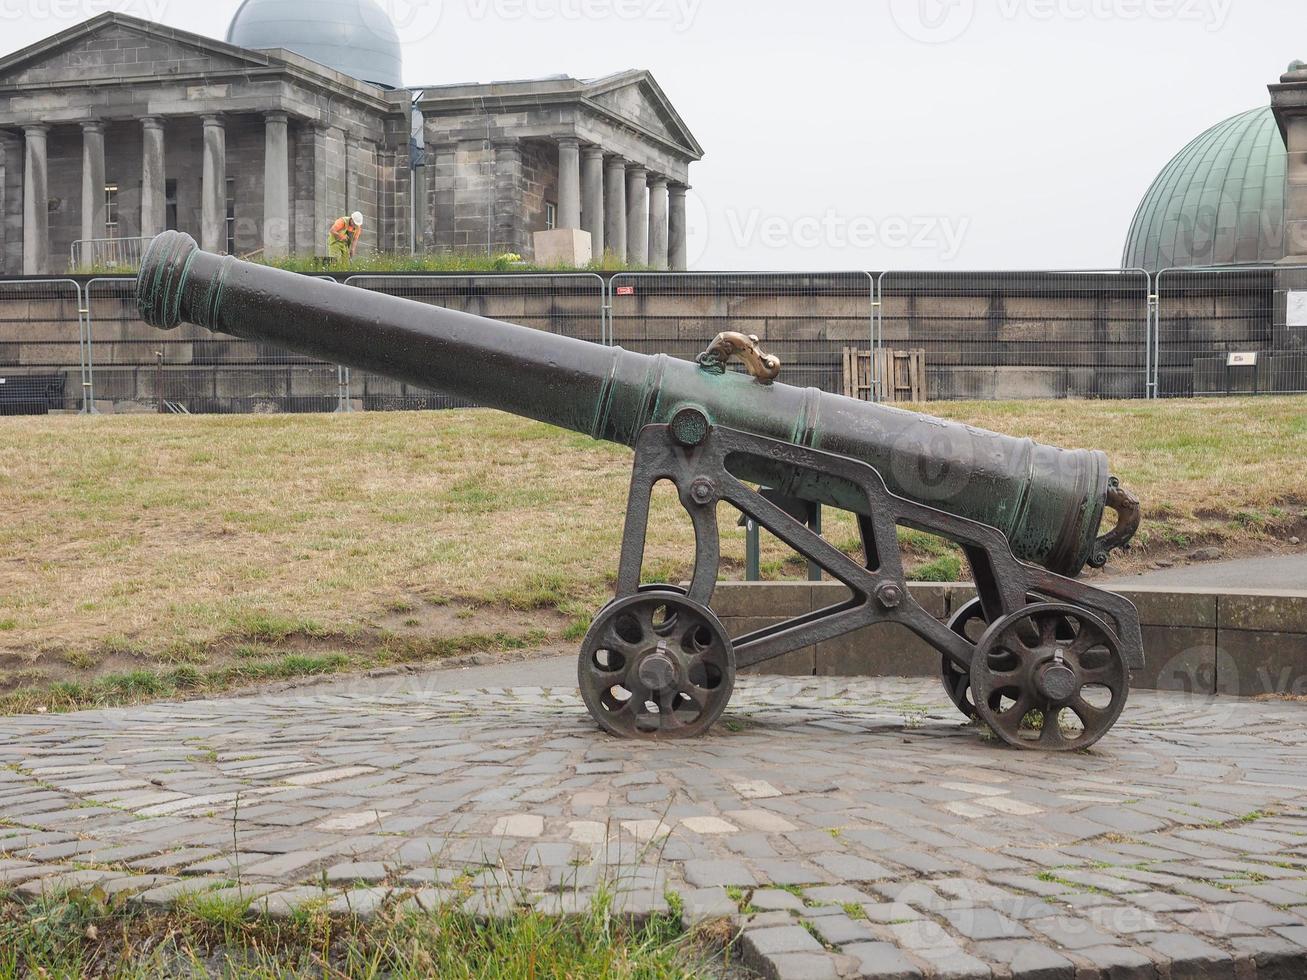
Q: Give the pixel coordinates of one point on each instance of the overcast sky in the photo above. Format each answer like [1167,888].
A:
[900,134]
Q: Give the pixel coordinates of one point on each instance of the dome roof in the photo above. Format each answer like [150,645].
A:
[355,37]
[1220,202]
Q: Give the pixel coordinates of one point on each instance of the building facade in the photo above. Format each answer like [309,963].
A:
[118,129]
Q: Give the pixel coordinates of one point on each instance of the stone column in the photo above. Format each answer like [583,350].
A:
[93,204]
[442,161]
[213,193]
[154,189]
[569,183]
[658,222]
[36,203]
[615,208]
[592,192]
[676,245]
[509,211]
[637,216]
[276,185]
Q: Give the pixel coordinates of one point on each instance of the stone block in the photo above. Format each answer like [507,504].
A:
[884,650]
[1178,659]
[1256,663]
[1265,612]
[568,247]
[743,600]
[1177,607]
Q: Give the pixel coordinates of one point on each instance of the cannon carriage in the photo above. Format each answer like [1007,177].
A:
[1043,659]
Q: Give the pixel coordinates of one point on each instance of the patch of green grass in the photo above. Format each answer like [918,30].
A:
[88,934]
[6,625]
[945,568]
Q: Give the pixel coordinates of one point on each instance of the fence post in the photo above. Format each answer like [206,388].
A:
[1154,337]
[877,334]
[88,361]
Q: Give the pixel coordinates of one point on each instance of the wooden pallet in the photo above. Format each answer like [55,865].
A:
[902,374]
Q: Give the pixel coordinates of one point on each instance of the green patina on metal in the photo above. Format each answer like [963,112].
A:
[1049,502]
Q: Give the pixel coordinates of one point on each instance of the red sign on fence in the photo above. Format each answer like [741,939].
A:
[625,290]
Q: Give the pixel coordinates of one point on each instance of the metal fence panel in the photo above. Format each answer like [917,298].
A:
[99,253]
[999,335]
[45,354]
[569,304]
[1229,331]
[804,318]
[191,370]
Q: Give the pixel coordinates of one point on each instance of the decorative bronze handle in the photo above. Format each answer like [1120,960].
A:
[1129,515]
[765,368]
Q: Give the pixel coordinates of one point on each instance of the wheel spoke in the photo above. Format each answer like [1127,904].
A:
[1089,638]
[1051,734]
[667,708]
[1090,716]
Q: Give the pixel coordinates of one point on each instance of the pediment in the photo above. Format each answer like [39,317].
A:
[636,97]
[115,46]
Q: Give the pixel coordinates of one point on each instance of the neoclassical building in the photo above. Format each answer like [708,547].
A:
[120,128]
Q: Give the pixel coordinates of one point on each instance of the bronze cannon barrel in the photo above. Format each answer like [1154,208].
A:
[1049,502]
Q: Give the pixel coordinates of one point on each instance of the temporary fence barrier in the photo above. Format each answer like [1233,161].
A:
[997,335]
[46,362]
[1235,330]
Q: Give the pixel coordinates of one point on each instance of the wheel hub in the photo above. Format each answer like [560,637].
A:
[1057,682]
[657,671]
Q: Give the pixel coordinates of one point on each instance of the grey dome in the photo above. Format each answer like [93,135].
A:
[1220,202]
[355,37]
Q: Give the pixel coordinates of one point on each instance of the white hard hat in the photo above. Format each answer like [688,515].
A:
[357,217]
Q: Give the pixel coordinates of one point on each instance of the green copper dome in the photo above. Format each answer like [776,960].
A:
[1220,202]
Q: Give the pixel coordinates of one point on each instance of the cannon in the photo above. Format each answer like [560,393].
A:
[1040,657]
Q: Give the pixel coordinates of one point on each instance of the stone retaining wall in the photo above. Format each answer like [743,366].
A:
[996,336]
[1247,643]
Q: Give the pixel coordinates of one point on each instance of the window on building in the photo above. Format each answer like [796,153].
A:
[110,210]
[551,215]
[231,215]
[170,204]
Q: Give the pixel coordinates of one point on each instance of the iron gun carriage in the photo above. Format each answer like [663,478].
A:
[1025,655]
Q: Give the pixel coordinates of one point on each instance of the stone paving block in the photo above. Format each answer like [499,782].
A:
[705,904]
[772,899]
[882,961]
[362,903]
[983,924]
[352,871]
[1273,957]
[1191,958]
[701,873]
[839,929]
[758,944]
[1027,960]
[800,966]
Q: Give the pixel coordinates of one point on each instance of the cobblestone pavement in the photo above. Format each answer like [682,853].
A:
[855,828]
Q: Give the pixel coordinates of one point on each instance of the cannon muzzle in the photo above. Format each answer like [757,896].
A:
[1048,502]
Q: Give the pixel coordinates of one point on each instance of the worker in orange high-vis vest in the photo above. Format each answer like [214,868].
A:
[345,235]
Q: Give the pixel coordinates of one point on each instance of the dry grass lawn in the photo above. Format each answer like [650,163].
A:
[195,544]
